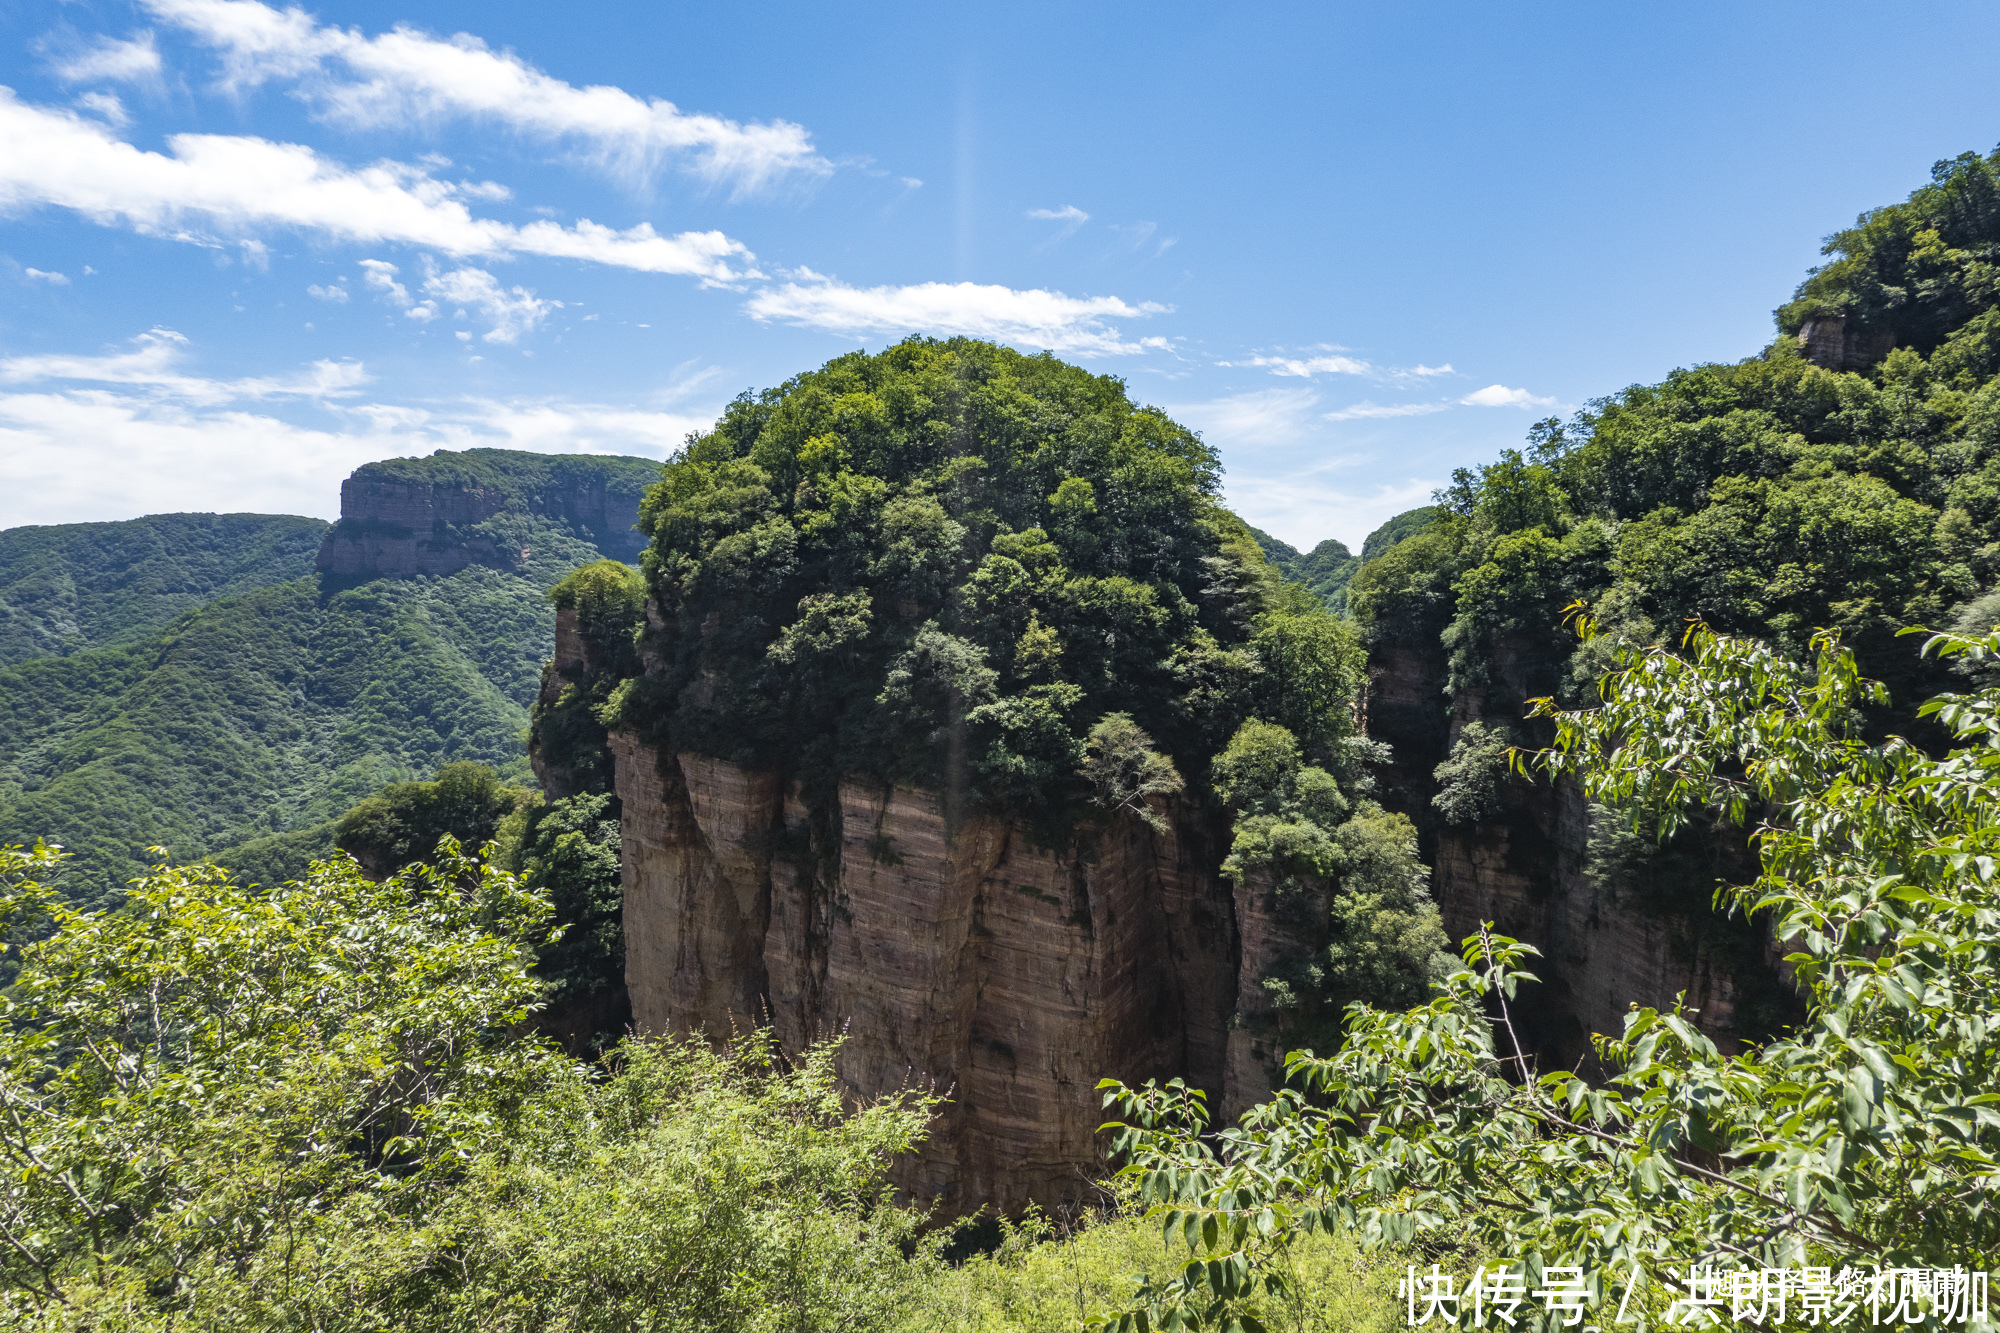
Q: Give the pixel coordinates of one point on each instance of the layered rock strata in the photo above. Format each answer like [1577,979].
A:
[967,958]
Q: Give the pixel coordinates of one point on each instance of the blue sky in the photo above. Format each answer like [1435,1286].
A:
[244,249]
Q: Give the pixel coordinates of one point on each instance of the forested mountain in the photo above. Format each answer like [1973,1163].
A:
[954,708]
[1847,478]
[1325,570]
[1329,567]
[74,586]
[260,717]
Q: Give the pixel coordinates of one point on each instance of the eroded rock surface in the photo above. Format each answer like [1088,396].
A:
[1526,868]
[968,958]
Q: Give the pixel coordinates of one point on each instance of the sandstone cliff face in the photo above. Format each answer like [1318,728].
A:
[398,523]
[967,958]
[1525,869]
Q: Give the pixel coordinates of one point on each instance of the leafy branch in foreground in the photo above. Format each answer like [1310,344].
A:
[1868,1137]
[319,1107]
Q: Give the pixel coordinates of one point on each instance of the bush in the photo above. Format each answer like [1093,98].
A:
[320,1108]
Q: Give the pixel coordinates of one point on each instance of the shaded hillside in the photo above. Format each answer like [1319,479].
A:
[1329,567]
[258,718]
[1847,478]
[73,586]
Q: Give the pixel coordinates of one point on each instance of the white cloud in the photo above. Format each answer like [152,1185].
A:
[1365,411]
[1069,215]
[236,183]
[1327,359]
[1034,318]
[93,454]
[90,454]
[106,107]
[1247,420]
[43,275]
[1306,511]
[111,61]
[514,311]
[381,275]
[555,427]
[1308,366]
[406,76]
[153,364]
[1499,395]
[330,292]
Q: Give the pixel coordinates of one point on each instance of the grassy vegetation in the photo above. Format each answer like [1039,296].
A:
[1050,1276]
[74,586]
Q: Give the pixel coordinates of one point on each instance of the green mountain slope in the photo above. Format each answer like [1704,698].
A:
[1328,568]
[72,586]
[248,724]
[1325,570]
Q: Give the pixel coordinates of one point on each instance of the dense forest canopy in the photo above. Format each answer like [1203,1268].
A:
[945,563]
[993,576]
[1773,496]
[71,586]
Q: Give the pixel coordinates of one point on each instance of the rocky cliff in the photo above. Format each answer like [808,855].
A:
[969,958]
[410,516]
[1608,939]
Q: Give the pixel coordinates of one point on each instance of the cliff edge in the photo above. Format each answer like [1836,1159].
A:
[403,517]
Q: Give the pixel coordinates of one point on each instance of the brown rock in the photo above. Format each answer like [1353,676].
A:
[967,958]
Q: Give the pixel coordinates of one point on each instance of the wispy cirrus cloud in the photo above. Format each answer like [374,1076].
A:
[406,76]
[232,184]
[1305,367]
[1029,318]
[1069,216]
[154,363]
[1368,411]
[1261,417]
[106,60]
[1328,359]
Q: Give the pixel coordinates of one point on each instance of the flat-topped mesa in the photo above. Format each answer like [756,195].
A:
[403,517]
[950,703]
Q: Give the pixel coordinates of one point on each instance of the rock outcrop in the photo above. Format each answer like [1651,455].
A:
[1526,868]
[1830,341]
[404,517]
[964,957]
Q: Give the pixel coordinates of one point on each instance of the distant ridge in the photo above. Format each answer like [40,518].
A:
[408,516]
[71,586]
[241,722]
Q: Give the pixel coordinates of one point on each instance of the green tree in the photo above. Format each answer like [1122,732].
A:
[1869,1137]
[404,821]
[321,1108]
